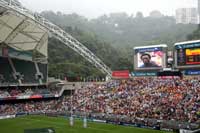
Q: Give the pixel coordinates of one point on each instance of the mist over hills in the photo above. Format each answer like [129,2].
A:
[112,38]
[120,29]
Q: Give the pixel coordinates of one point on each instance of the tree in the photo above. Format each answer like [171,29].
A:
[155,14]
[195,35]
[103,39]
[139,15]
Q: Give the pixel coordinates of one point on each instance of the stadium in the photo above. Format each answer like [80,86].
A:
[160,95]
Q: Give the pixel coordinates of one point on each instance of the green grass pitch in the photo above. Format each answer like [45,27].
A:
[61,125]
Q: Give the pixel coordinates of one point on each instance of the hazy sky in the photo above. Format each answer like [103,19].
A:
[95,8]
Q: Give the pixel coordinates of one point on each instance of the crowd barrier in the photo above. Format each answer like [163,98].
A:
[163,125]
[7,117]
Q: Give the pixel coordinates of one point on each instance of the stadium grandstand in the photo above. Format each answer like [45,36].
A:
[158,103]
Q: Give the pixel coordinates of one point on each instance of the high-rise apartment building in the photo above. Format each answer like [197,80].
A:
[198,7]
[187,15]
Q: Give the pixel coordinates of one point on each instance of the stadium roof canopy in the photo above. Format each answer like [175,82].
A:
[22,33]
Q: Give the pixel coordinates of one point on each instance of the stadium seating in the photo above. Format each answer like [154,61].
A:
[43,70]
[27,69]
[6,73]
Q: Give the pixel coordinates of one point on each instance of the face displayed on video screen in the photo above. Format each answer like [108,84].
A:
[150,59]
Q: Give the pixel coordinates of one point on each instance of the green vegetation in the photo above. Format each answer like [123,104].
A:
[110,37]
[64,62]
[194,35]
[61,125]
[122,30]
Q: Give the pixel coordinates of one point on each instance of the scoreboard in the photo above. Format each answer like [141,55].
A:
[187,54]
[192,56]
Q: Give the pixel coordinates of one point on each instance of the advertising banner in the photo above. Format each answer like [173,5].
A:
[120,74]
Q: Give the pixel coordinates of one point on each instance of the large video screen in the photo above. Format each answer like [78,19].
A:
[149,58]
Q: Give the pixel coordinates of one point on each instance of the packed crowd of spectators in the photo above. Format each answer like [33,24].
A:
[30,106]
[162,99]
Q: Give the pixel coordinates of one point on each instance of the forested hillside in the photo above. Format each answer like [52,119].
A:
[64,62]
[122,30]
[195,35]
[111,37]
